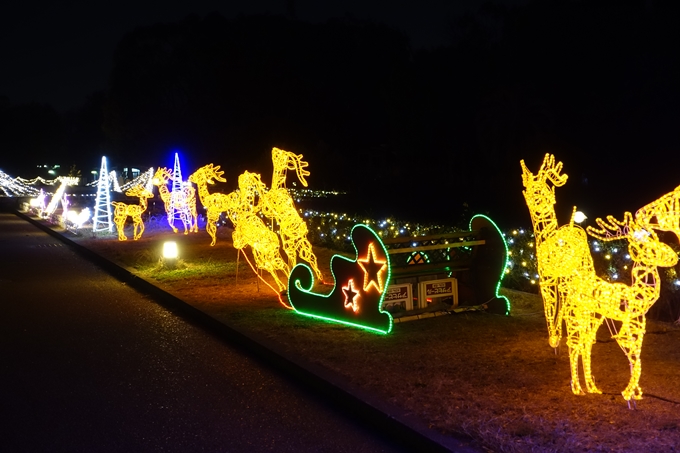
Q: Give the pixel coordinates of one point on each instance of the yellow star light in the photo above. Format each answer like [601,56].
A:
[374,270]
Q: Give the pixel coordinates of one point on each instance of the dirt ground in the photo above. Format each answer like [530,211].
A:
[490,379]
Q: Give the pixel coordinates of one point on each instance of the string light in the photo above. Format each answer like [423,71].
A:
[349,303]
[65,182]
[16,187]
[572,292]
[78,219]
[278,205]
[144,179]
[134,211]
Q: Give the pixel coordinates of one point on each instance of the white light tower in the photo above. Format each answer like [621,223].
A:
[101,220]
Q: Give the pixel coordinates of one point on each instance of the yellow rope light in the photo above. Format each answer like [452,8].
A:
[134,211]
[184,201]
[572,292]
[214,203]
[250,229]
[278,205]
[662,214]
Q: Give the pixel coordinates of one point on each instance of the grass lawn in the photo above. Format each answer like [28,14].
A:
[490,378]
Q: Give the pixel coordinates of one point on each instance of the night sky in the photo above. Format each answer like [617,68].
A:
[60,52]
[443,119]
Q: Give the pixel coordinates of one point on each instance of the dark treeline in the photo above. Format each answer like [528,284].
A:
[408,132]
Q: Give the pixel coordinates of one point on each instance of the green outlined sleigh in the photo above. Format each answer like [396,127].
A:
[359,288]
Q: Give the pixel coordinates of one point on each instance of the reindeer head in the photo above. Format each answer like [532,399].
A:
[250,185]
[139,192]
[291,161]
[538,193]
[207,175]
[162,176]
[644,245]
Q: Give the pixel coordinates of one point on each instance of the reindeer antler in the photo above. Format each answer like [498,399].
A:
[138,191]
[549,170]
[301,172]
[162,175]
[612,229]
[215,173]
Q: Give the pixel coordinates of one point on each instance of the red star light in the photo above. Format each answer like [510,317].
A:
[351,296]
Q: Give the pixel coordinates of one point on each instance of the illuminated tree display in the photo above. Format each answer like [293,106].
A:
[179,203]
[214,203]
[101,218]
[356,298]
[572,292]
[123,211]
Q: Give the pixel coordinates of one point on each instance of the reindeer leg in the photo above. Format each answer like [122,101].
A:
[194,228]
[171,221]
[575,345]
[630,339]
[121,232]
[210,226]
[594,324]
[120,226]
[186,222]
[553,317]
[138,227]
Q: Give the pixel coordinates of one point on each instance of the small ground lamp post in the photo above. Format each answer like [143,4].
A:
[170,254]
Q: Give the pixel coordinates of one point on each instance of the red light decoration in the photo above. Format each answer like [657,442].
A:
[351,296]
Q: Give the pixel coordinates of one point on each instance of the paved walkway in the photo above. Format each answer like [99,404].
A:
[89,364]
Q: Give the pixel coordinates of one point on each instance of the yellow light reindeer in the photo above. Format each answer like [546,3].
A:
[560,251]
[572,292]
[184,201]
[250,230]
[277,204]
[135,211]
[592,297]
[214,203]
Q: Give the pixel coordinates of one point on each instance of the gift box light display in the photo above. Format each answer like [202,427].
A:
[572,292]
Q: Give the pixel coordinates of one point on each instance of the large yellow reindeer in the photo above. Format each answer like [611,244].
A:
[214,203]
[594,298]
[574,293]
[277,204]
[184,201]
[135,211]
[560,251]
